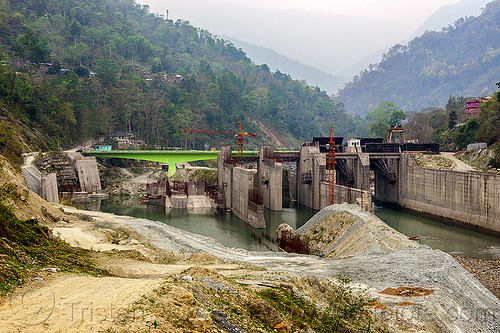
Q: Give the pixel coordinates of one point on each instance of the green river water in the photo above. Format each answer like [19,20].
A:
[230,231]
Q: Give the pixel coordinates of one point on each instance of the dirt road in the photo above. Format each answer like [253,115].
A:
[459,165]
[71,303]
[66,303]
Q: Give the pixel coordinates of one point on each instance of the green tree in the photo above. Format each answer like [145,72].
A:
[466,134]
[156,66]
[452,119]
[383,116]
[107,71]
[489,118]
[32,48]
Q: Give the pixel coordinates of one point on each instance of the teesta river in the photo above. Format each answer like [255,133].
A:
[231,231]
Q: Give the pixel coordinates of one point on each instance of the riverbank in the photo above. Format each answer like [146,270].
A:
[176,279]
[372,272]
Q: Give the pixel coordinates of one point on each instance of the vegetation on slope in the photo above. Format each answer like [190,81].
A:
[449,127]
[85,69]
[203,300]
[26,247]
[463,58]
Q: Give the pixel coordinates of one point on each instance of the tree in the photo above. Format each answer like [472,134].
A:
[32,48]
[156,66]
[452,119]
[467,133]
[107,71]
[489,118]
[383,116]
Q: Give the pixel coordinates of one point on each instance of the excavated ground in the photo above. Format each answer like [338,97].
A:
[168,280]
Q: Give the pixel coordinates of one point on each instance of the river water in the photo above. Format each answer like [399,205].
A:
[231,231]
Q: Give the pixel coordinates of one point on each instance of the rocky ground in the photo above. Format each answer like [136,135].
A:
[486,271]
[480,159]
[465,161]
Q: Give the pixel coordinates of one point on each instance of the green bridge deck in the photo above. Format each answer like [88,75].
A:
[170,157]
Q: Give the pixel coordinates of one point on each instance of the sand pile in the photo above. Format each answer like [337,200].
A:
[345,230]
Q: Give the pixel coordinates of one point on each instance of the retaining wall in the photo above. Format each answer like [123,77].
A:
[32,177]
[469,197]
[88,174]
[48,188]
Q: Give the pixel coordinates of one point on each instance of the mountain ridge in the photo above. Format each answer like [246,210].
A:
[462,59]
[298,34]
[276,61]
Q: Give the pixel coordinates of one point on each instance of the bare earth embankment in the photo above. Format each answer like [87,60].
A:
[162,279]
[372,268]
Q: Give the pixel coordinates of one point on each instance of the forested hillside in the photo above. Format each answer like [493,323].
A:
[462,59]
[83,69]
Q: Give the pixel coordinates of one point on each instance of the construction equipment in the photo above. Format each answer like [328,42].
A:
[395,134]
[330,161]
[240,135]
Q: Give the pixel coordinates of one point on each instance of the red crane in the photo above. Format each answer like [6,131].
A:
[240,135]
[330,161]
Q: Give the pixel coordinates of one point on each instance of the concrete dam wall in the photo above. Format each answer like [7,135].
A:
[469,197]
[236,184]
[312,186]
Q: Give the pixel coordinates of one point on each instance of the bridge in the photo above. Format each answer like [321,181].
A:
[170,157]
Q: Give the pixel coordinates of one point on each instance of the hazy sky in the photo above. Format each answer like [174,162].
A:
[332,35]
[411,12]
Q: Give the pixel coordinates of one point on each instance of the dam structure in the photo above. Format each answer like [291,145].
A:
[387,178]
[380,174]
[470,198]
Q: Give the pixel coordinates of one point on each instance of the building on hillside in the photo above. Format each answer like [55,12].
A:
[472,108]
[127,140]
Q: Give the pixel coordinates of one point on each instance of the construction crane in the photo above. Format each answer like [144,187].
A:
[240,135]
[330,161]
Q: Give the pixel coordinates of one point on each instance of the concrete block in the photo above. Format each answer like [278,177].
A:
[88,174]
[32,177]
[48,188]
[476,146]
[178,202]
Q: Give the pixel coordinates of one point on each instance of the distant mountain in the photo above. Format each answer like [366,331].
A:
[462,59]
[372,58]
[330,43]
[441,18]
[297,70]
[448,14]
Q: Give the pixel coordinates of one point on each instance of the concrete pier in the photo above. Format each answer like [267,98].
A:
[310,173]
[48,188]
[270,179]
[88,174]
[237,186]
[312,186]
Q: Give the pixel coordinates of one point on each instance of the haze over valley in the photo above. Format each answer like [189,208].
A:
[340,42]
